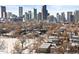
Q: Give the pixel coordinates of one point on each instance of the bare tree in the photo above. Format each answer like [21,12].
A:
[23,40]
[17,47]
[2,45]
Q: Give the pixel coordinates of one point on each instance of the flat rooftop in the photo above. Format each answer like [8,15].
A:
[45,45]
[53,37]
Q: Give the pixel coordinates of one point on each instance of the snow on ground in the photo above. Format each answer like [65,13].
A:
[10,42]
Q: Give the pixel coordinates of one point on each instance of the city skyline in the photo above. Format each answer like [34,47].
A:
[52,9]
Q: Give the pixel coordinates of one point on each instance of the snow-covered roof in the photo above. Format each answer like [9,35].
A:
[53,37]
[45,45]
[73,44]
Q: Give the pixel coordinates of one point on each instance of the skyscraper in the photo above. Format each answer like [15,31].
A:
[39,16]
[3,12]
[30,15]
[58,17]
[76,15]
[44,12]
[72,18]
[26,17]
[35,13]
[63,19]
[20,11]
[9,14]
[69,15]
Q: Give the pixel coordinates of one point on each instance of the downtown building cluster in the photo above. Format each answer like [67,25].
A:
[43,15]
[29,15]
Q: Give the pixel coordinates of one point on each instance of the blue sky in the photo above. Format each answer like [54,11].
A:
[52,9]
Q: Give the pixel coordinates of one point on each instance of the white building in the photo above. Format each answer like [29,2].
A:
[44,48]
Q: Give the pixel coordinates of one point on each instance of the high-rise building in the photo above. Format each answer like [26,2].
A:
[3,12]
[30,15]
[58,17]
[76,16]
[63,19]
[69,16]
[72,18]
[39,16]
[26,16]
[20,11]
[44,12]
[9,15]
[35,13]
